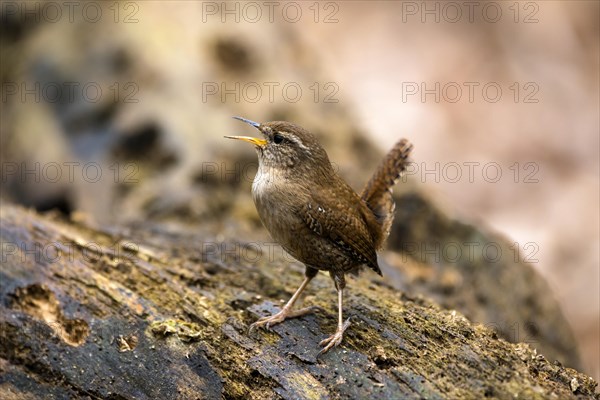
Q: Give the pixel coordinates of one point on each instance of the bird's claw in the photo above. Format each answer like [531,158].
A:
[335,339]
[281,316]
[266,322]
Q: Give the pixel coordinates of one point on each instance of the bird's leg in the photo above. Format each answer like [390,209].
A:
[286,312]
[335,339]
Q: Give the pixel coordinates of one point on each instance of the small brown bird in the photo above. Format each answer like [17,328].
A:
[315,215]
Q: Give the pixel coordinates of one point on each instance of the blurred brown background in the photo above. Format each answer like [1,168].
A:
[501,100]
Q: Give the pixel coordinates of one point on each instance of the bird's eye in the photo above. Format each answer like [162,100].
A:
[277,138]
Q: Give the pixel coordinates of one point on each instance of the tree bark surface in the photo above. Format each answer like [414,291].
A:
[150,311]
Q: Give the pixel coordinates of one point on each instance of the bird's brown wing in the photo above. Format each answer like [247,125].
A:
[345,228]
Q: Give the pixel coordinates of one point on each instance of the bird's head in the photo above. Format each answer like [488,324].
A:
[287,146]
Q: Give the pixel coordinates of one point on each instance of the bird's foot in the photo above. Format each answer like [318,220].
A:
[281,316]
[335,339]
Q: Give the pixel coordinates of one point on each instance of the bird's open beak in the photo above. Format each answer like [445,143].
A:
[255,141]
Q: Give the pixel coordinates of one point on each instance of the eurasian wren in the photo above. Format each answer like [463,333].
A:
[315,215]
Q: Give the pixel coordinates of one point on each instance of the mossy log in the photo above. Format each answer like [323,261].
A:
[146,311]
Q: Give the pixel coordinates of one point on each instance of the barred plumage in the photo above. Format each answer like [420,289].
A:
[378,191]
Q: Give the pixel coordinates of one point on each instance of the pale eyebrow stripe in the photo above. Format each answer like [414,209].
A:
[293,139]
